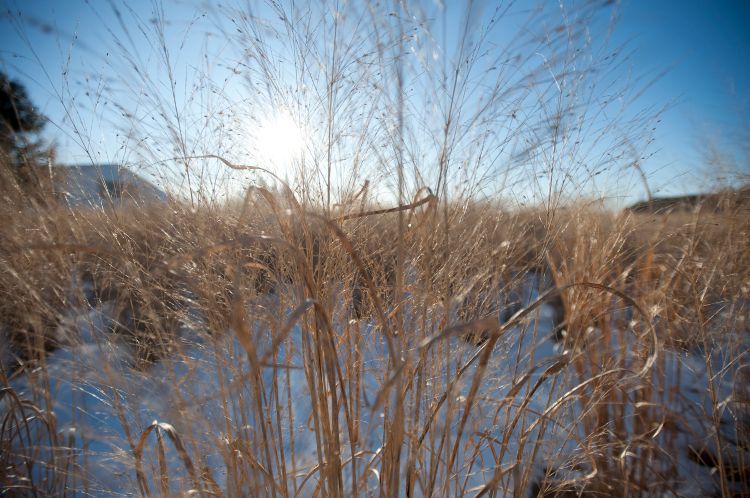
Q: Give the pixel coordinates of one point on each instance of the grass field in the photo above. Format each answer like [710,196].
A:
[315,329]
[305,339]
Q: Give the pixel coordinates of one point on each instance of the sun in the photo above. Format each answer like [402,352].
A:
[280,140]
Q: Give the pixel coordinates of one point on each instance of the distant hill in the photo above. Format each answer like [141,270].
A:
[713,201]
[103,185]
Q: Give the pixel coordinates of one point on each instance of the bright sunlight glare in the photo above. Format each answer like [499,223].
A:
[280,140]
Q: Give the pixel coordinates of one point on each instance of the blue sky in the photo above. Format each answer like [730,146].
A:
[695,50]
[705,46]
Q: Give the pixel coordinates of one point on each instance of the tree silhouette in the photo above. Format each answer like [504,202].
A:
[18,114]
[21,148]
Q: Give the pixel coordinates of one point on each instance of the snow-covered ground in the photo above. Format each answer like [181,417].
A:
[97,185]
[102,405]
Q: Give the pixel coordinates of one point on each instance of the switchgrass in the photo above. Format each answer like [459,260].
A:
[191,268]
[375,320]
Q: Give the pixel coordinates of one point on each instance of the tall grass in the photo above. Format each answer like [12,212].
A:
[382,280]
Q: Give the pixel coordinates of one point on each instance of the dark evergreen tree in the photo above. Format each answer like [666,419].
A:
[22,150]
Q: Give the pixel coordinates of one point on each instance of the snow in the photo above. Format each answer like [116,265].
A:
[102,403]
[103,184]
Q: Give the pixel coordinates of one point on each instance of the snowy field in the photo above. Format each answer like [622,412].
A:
[200,406]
